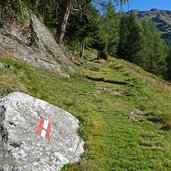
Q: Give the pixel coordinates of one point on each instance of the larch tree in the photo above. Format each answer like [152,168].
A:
[111,23]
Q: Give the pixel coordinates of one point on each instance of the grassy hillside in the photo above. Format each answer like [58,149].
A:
[124,111]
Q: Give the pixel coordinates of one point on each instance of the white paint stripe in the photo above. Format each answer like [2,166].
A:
[45,124]
[43,133]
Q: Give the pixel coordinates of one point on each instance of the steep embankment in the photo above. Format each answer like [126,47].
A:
[124,111]
[31,42]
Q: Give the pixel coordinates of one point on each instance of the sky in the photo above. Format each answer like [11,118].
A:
[144,5]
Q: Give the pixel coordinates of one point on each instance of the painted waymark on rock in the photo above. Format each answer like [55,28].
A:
[44,128]
[28,116]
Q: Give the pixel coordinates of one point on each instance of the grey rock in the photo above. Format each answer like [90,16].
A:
[22,149]
[2,65]
[34,44]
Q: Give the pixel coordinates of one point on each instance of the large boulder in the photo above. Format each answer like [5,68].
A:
[22,149]
[33,43]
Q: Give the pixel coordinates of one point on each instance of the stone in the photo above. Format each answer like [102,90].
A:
[22,149]
[1,65]
[33,43]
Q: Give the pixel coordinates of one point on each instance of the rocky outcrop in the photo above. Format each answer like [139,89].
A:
[33,43]
[22,149]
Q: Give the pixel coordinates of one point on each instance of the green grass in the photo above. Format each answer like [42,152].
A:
[116,120]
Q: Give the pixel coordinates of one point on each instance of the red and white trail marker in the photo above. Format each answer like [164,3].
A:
[44,128]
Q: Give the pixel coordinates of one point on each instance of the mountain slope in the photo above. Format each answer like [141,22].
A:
[161,18]
[124,111]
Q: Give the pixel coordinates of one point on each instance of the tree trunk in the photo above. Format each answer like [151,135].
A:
[66,7]
[82,44]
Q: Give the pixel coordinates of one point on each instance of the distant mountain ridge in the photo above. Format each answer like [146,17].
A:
[161,18]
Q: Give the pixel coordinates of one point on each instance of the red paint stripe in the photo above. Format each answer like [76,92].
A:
[48,130]
[39,129]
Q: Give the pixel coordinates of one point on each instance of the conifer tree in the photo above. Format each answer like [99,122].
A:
[131,39]
[155,50]
[135,40]
[141,44]
[123,37]
[66,7]
[169,64]
[111,27]
[82,25]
